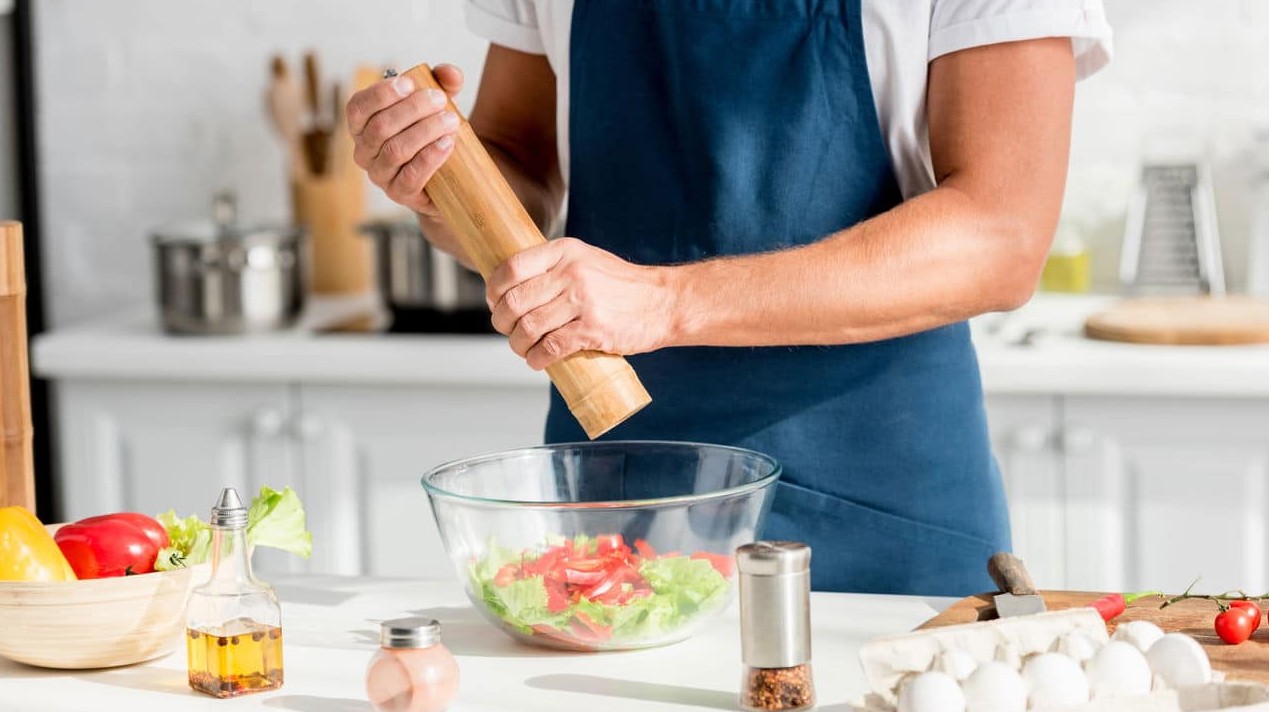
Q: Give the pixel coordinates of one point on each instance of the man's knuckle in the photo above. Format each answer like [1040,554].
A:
[390,151]
[356,112]
[515,267]
[533,325]
[513,300]
[553,345]
[411,174]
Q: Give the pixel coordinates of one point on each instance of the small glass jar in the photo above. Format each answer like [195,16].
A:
[412,671]
[775,626]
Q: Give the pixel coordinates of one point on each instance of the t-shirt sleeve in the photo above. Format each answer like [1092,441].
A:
[960,24]
[510,23]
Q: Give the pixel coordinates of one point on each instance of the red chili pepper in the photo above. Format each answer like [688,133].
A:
[1110,605]
[1113,604]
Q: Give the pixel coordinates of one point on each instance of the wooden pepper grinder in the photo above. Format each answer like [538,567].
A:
[17,468]
[601,390]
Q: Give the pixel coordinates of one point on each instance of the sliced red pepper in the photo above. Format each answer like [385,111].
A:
[598,632]
[578,577]
[556,599]
[610,543]
[645,549]
[506,575]
[722,563]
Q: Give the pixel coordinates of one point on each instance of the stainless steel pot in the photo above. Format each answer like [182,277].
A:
[219,277]
[423,288]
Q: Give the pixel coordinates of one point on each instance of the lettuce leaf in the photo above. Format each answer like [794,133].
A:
[275,520]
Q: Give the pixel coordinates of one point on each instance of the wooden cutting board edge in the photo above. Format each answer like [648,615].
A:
[1248,661]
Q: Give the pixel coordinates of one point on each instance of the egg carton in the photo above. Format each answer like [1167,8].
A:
[889,660]
[1226,696]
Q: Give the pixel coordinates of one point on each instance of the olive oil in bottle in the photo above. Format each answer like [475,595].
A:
[234,623]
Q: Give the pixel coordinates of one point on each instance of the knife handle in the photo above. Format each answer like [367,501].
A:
[1010,574]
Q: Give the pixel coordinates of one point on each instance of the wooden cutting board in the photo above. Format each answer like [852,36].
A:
[1246,661]
[1195,321]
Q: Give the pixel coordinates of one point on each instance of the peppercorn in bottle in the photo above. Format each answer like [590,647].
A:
[775,626]
[234,623]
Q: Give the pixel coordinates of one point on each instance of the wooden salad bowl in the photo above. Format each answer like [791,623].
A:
[95,623]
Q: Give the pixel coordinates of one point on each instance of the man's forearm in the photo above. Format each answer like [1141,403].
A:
[934,260]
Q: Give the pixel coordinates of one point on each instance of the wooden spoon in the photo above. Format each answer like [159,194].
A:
[317,138]
[285,107]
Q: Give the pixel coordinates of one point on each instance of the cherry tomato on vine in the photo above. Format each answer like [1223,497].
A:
[1251,608]
[1234,625]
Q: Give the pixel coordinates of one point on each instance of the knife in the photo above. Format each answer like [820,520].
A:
[1018,596]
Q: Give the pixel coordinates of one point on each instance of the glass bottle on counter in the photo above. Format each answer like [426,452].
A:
[412,671]
[234,623]
[775,626]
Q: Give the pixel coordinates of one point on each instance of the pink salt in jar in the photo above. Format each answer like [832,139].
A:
[412,671]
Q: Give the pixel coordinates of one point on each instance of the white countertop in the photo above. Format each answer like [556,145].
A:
[1057,360]
[330,631]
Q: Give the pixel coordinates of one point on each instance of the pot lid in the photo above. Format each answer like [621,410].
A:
[223,226]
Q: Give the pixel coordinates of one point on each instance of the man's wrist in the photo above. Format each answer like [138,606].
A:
[682,316]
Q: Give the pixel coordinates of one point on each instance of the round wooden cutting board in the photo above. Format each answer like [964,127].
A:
[1211,321]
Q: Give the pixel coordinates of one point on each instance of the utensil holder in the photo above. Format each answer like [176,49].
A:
[331,207]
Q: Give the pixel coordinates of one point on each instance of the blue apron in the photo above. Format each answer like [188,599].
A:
[720,127]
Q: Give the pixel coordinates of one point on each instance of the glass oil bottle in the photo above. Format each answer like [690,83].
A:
[234,623]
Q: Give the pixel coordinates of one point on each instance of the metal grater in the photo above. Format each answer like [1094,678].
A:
[1171,244]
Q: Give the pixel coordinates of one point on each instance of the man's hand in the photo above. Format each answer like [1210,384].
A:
[403,133]
[567,296]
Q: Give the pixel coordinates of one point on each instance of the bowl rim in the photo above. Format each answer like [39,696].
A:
[766,480]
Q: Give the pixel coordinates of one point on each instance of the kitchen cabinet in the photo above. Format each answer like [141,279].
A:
[365,450]
[1160,491]
[1129,493]
[154,446]
[1024,439]
[355,454]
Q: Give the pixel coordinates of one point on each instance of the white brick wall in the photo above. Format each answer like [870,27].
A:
[148,106]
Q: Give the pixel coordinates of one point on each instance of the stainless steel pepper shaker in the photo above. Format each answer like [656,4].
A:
[775,626]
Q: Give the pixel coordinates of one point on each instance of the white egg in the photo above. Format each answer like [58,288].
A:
[931,692]
[955,662]
[1079,645]
[1141,634]
[1179,661]
[1118,670]
[1054,680]
[995,687]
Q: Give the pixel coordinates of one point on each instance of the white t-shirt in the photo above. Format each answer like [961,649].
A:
[901,38]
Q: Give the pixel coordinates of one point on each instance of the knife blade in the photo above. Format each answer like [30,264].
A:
[1018,596]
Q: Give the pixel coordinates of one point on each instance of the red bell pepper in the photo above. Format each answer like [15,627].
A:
[108,545]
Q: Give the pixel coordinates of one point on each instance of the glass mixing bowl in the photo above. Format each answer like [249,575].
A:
[601,546]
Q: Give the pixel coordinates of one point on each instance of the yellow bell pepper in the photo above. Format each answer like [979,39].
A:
[27,550]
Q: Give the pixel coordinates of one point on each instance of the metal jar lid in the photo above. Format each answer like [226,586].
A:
[412,632]
[775,603]
[223,228]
